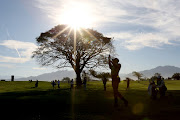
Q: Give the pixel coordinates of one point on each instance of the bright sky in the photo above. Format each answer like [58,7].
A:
[146,32]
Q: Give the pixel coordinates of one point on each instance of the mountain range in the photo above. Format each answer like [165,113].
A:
[165,71]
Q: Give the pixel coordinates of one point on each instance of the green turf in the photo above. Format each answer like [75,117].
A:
[92,103]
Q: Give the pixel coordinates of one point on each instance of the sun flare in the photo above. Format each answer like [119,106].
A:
[77,15]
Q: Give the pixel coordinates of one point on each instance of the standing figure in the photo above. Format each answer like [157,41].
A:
[53,84]
[36,84]
[128,81]
[85,82]
[58,84]
[161,86]
[71,84]
[115,68]
[104,82]
[152,89]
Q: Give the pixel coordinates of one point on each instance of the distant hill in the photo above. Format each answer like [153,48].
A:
[58,75]
[165,71]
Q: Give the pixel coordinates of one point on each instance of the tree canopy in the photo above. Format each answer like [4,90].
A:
[176,76]
[100,75]
[63,46]
[137,74]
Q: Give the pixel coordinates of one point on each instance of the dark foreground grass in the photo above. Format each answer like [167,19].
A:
[18,100]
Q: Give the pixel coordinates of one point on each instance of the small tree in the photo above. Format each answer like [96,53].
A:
[157,74]
[176,76]
[104,76]
[100,75]
[63,46]
[66,79]
[138,75]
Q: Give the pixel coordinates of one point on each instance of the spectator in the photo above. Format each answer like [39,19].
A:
[58,83]
[152,89]
[72,82]
[53,84]
[128,82]
[85,82]
[161,86]
[104,82]
[36,84]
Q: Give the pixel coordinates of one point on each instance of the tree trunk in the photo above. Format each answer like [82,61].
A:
[78,79]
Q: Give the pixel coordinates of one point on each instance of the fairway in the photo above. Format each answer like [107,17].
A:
[18,100]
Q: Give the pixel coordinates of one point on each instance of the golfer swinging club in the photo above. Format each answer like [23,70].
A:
[115,68]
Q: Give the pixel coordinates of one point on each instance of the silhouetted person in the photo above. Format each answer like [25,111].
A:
[128,82]
[104,82]
[152,89]
[85,82]
[58,83]
[36,84]
[53,84]
[115,68]
[161,86]
[72,82]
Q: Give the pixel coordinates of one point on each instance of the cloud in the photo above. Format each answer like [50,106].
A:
[37,68]
[135,41]
[100,11]
[23,49]
[162,17]
[7,65]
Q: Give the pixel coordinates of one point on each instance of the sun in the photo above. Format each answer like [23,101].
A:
[77,15]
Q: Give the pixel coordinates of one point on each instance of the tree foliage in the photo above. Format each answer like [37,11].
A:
[138,75]
[63,46]
[66,79]
[100,75]
[157,74]
[176,76]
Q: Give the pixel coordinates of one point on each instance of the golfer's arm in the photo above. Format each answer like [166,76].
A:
[110,64]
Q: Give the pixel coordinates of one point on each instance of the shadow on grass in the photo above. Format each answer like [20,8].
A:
[87,105]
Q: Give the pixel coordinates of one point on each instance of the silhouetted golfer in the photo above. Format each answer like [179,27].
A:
[115,68]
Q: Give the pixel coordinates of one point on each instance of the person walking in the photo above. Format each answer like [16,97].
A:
[115,68]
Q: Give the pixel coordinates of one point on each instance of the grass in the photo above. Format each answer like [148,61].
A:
[22,101]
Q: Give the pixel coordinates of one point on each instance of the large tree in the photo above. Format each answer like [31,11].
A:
[64,46]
